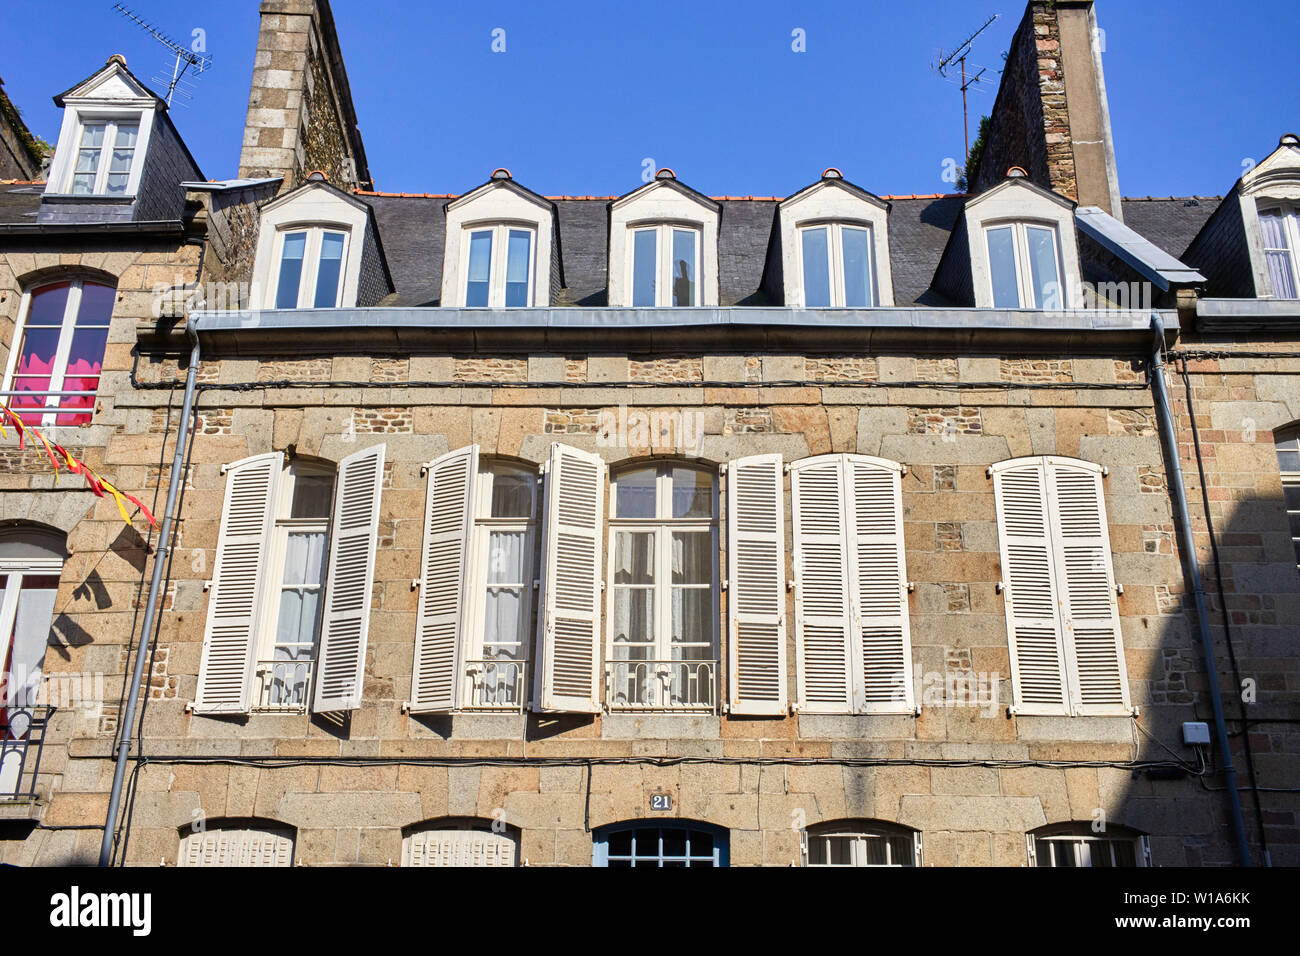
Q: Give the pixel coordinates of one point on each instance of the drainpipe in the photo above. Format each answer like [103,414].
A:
[1187,545]
[151,604]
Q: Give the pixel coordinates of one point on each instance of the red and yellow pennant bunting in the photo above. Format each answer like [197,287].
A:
[61,457]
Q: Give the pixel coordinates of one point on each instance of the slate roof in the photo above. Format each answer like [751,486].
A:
[1171,223]
[19,202]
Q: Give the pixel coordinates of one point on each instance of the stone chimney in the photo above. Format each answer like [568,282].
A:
[300,114]
[1051,115]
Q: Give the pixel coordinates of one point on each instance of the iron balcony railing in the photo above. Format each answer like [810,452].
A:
[661,685]
[284,685]
[497,683]
[35,404]
[21,739]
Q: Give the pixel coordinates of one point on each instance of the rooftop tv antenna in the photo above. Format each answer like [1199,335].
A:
[958,55]
[184,57]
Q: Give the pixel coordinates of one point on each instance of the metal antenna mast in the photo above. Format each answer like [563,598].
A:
[959,56]
[184,57]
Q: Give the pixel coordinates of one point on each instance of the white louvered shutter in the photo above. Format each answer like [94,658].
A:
[878,578]
[353,538]
[569,618]
[448,517]
[230,633]
[756,586]
[1086,588]
[821,585]
[1029,591]
[459,848]
[231,847]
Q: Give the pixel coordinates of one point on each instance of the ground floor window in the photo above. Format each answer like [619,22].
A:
[237,846]
[861,843]
[678,844]
[1078,847]
[460,843]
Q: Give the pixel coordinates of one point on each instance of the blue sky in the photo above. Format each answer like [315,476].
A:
[586,92]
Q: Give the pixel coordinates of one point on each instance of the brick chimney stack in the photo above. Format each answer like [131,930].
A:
[300,113]
[1051,115]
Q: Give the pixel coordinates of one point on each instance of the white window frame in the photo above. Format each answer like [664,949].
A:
[859,835]
[1290,213]
[59,372]
[1290,479]
[663,231]
[1024,271]
[474,655]
[499,260]
[1084,844]
[835,268]
[110,120]
[310,262]
[663,526]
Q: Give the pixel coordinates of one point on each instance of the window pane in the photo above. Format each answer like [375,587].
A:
[693,624]
[312,496]
[1002,269]
[96,304]
[119,168]
[634,557]
[857,268]
[85,360]
[304,559]
[519,249]
[635,497]
[692,493]
[49,304]
[1288,460]
[683,267]
[1292,493]
[92,144]
[512,494]
[644,267]
[816,269]
[817,849]
[1042,267]
[693,557]
[633,624]
[480,265]
[286,291]
[329,271]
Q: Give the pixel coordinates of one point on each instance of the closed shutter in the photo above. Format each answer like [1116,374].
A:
[439,646]
[756,595]
[354,531]
[1029,588]
[230,633]
[1086,585]
[230,847]
[569,618]
[459,848]
[821,585]
[879,585]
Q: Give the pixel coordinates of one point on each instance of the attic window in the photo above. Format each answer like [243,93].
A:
[310,268]
[105,154]
[498,265]
[1280,229]
[1024,265]
[838,270]
[665,266]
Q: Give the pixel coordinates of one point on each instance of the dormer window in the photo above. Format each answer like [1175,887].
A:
[1024,268]
[838,271]
[498,265]
[665,266]
[105,157]
[311,268]
[1279,228]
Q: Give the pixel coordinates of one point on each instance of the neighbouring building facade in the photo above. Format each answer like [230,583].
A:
[839,528]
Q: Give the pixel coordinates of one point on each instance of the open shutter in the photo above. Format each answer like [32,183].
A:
[1086,586]
[879,585]
[569,618]
[821,579]
[756,591]
[448,518]
[353,534]
[230,633]
[1029,590]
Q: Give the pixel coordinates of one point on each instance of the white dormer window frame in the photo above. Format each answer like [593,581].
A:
[666,207]
[1023,208]
[499,207]
[667,237]
[1273,186]
[1283,250]
[835,265]
[835,205]
[317,212]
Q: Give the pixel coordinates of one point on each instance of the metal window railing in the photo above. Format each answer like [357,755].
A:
[497,683]
[661,685]
[33,403]
[21,740]
[283,685]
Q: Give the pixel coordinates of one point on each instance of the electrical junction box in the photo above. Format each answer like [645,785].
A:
[1196,732]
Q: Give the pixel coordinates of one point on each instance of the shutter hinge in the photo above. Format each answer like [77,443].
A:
[1011,710]
[999,587]
[1105,472]
[189,707]
[902,470]
[789,584]
[988,472]
[536,584]
[207,585]
[724,584]
[406,706]
[424,467]
[1119,589]
[415,583]
[1135,711]
[911,587]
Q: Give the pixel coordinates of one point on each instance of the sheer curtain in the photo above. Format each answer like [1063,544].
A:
[1278,254]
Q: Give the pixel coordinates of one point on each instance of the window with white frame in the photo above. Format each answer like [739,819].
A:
[861,843]
[460,843]
[664,265]
[309,267]
[663,601]
[1058,584]
[1280,231]
[106,151]
[1076,845]
[62,334]
[291,586]
[1024,265]
[498,265]
[237,846]
[1287,444]
[837,266]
